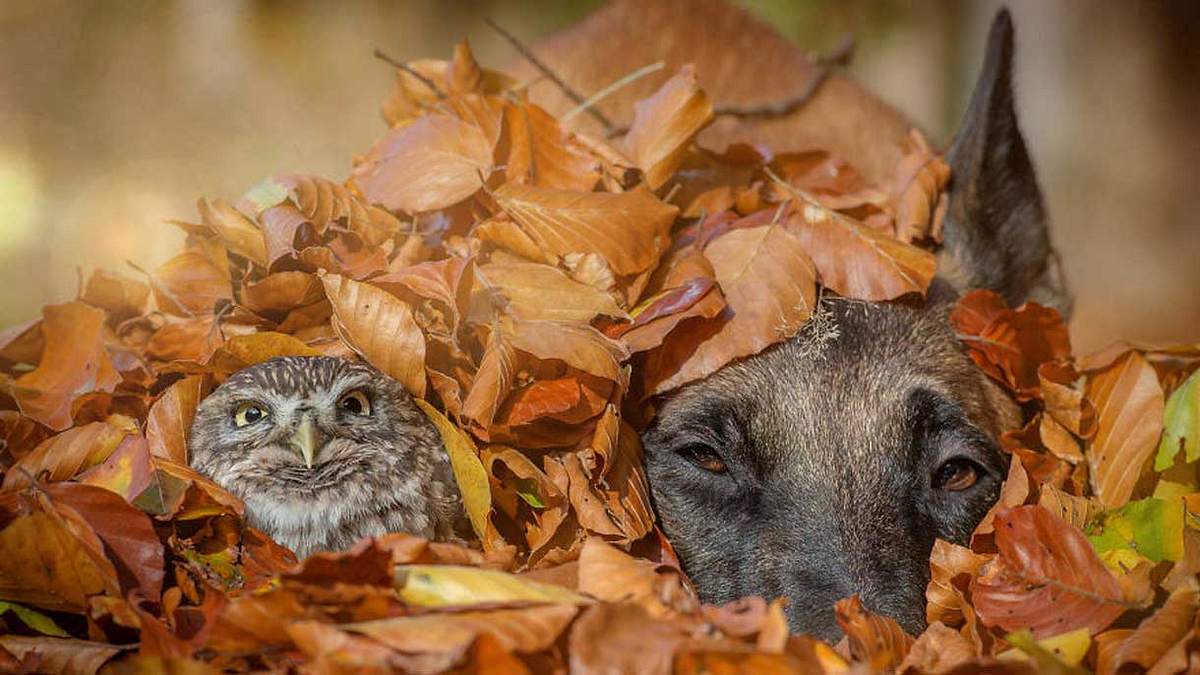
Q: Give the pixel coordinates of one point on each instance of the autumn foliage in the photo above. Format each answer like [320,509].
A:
[536,287]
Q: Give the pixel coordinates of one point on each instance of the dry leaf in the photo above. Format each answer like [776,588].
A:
[665,123]
[1129,404]
[430,164]
[1047,578]
[380,328]
[857,261]
[628,230]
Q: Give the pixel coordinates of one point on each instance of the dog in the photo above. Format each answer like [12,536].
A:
[827,465]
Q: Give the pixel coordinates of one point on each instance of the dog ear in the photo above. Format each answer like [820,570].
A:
[995,233]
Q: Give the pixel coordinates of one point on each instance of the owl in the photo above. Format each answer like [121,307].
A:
[325,451]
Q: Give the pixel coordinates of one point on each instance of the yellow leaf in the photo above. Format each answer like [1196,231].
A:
[468,470]
[461,586]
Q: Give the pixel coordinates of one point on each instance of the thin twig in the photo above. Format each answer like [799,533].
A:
[379,54]
[545,70]
[824,66]
[619,84]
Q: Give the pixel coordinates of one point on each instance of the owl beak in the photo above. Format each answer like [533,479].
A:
[306,440]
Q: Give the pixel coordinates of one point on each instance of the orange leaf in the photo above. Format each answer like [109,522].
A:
[118,295]
[1156,634]
[463,75]
[126,532]
[74,362]
[874,639]
[1129,404]
[770,287]
[537,291]
[629,230]
[50,557]
[664,125]
[380,328]
[1010,345]
[170,419]
[857,261]
[541,153]
[1047,578]
[63,456]
[432,163]
[191,283]
[917,188]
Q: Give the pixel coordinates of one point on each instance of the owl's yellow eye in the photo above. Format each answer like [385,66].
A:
[355,403]
[248,413]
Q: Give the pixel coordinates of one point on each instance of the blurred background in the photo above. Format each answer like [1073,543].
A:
[117,115]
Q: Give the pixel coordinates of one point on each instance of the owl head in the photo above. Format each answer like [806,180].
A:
[322,449]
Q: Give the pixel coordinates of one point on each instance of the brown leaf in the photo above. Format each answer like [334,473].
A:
[243,351]
[380,328]
[937,650]
[665,124]
[537,291]
[1129,404]
[118,295]
[578,346]
[1156,634]
[715,661]
[628,230]
[463,75]
[1010,345]
[606,573]
[74,362]
[434,162]
[332,650]
[874,639]
[541,153]
[63,456]
[768,283]
[61,655]
[191,283]
[170,419]
[857,261]
[662,313]
[622,638]
[917,191]
[523,630]
[951,568]
[240,234]
[50,557]
[1075,510]
[281,292]
[126,532]
[1047,578]
[1064,402]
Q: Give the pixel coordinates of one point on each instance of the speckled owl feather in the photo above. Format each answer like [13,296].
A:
[376,468]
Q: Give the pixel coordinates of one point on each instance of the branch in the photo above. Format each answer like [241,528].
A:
[605,92]
[379,54]
[550,74]
[825,65]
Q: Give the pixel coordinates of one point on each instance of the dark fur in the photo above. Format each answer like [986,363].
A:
[832,439]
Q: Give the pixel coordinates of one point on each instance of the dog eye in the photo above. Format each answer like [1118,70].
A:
[355,403]
[957,474]
[704,457]
[248,413]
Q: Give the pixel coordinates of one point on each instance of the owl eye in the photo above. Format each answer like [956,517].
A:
[355,403]
[248,413]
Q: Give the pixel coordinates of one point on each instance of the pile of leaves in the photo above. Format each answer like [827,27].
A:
[536,288]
